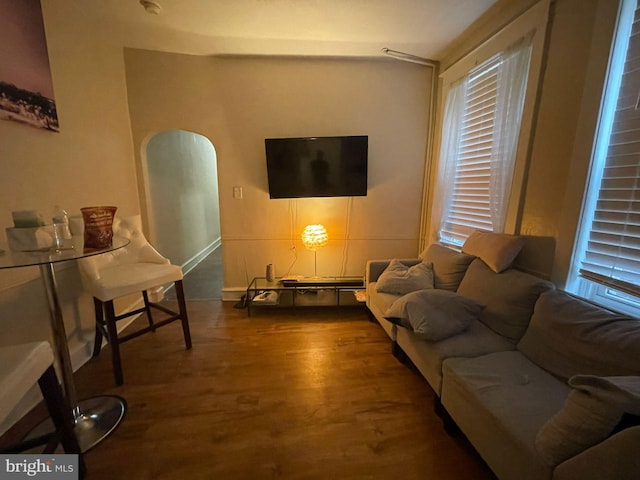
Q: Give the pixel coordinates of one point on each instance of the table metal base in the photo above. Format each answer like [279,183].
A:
[99,416]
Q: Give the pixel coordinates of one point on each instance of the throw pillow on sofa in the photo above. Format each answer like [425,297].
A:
[434,314]
[498,250]
[449,266]
[591,413]
[399,279]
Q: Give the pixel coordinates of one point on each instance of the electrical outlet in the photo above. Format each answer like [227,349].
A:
[237,192]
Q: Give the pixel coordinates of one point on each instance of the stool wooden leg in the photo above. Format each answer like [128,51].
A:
[182,306]
[113,341]
[99,313]
[147,308]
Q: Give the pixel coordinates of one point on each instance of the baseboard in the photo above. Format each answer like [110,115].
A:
[233,294]
[201,255]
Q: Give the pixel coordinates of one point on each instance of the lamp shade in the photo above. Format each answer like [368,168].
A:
[314,236]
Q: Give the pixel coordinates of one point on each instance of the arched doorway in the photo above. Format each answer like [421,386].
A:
[184,209]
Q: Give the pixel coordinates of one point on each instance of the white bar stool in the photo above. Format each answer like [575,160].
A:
[131,270]
[21,366]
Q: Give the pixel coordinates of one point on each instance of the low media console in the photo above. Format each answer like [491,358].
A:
[303,292]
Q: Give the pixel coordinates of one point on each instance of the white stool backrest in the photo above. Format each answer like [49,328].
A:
[137,251]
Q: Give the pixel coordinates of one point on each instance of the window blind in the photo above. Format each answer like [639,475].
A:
[469,208]
[481,126]
[612,254]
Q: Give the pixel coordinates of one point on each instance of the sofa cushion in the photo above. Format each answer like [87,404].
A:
[400,279]
[614,459]
[434,314]
[497,250]
[475,341]
[378,303]
[500,401]
[382,300]
[568,336]
[591,412]
[449,266]
[509,297]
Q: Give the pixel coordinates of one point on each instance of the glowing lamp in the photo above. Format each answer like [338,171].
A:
[314,237]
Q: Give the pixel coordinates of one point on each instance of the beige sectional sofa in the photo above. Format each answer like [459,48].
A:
[544,385]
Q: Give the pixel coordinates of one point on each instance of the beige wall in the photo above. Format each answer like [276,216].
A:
[89,162]
[577,40]
[238,102]
[587,120]
[577,53]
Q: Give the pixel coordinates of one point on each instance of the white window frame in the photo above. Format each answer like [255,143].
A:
[533,21]
[598,293]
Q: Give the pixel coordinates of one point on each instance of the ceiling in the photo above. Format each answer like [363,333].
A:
[288,27]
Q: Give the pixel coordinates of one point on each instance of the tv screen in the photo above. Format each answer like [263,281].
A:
[317,166]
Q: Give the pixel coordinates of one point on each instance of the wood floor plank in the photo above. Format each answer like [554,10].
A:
[310,394]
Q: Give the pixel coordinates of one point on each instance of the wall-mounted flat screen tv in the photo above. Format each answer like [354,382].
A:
[317,166]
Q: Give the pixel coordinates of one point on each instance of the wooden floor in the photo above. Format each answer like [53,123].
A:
[311,395]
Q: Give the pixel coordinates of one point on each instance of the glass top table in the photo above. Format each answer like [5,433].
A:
[95,417]
[74,251]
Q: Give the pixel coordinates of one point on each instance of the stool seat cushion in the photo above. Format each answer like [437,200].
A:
[119,280]
[20,368]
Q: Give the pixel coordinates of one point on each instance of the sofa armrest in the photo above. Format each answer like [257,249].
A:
[376,267]
[616,458]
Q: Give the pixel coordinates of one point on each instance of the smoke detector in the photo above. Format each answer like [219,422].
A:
[150,7]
